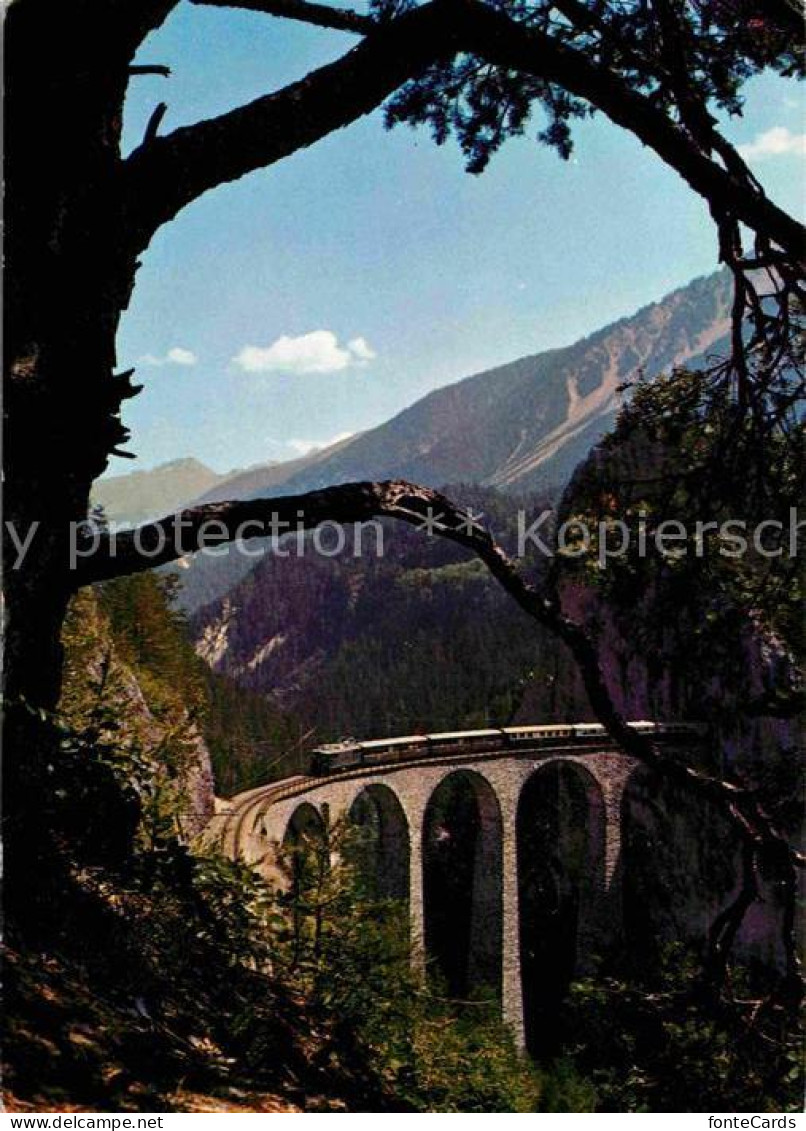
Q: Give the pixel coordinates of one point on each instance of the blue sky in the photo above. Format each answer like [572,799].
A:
[322,295]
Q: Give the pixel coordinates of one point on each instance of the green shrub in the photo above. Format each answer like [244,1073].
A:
[383,1023]
[662,1044]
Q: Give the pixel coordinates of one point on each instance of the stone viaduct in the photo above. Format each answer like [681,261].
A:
[511,861]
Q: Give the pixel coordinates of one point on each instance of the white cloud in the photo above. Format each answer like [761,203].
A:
[775,142]
[180,356]
[316,352]
[305,447]
[177,355]
[361,350]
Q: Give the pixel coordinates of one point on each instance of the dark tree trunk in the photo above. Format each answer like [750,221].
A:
[67,280]
[66,285]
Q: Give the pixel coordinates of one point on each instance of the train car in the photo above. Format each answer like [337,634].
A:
[670,730]
[589,730]
[393,749]
[530,735]
[321,761]
[464,740]
[513,736]
[683,730]
[644,726]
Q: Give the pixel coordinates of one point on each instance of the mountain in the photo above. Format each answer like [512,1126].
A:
[263,479]
[519,427]
[522,427]
[527,424]
[141,495]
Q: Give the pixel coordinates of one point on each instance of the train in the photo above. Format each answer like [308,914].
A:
[349,753]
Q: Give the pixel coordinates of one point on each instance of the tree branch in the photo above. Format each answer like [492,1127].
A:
[109,555]
[164,176]
[726,925]
[170,172]
[150,69]
[154,122]
[322,15]
[503,41]
[788,14]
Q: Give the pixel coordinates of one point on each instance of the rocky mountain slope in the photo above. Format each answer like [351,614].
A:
[147,721]
[265,478]
[527,425]
[519,427]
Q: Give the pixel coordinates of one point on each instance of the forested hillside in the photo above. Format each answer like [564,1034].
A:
[184,982]
[418,639]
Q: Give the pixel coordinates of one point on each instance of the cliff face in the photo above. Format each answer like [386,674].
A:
[678,633]
[688,633]
[664,681]
[151,733]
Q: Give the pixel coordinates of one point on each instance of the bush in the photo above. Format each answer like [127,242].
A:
[382,1023]
[662,1044]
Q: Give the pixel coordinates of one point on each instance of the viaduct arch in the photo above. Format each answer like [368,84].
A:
[561,830]
[462,884]
[384,844]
